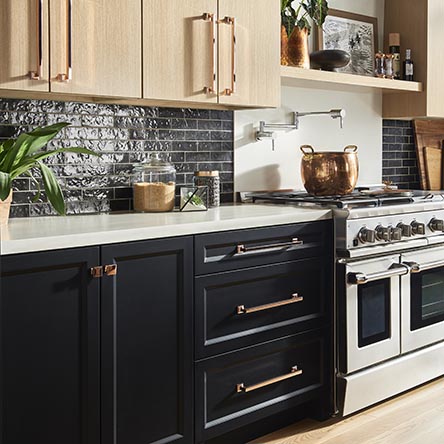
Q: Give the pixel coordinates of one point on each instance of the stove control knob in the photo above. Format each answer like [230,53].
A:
[418,228]
[406,230]
[367,236]
[395,234]
[383,233]
[436,224]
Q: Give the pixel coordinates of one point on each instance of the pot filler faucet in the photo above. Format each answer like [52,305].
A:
[267,130]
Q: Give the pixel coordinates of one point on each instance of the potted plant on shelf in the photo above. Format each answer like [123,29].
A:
[297,17]
[23,156]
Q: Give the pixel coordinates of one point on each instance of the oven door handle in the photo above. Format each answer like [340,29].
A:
[417,268]
[362,278]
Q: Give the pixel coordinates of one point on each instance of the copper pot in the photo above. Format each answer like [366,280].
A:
[329,173]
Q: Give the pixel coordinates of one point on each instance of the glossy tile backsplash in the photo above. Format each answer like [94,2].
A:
[195,139]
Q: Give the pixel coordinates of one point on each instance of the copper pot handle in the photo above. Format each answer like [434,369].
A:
[351,149]
[309,148]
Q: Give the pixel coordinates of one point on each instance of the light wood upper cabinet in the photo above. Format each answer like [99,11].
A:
[102,41]
[420,23]
[212,51]
[249,52]
[24,44]
[179,50]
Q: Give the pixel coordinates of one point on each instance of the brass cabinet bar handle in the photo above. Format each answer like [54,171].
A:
[242,249]
[37,75]
[231,21]
[67,76]
[394,270]
[208,17]
[240,309]
[241,388]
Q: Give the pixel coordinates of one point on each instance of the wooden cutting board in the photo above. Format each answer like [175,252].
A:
[433,167]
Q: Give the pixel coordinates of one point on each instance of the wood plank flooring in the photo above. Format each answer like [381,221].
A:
[416,417]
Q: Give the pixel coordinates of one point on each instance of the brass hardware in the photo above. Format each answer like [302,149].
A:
[37,75]
[67,76]
[208,17]
[231,21]
[96,272]
[242,249]
[110,270]
[241,388]
[240,309]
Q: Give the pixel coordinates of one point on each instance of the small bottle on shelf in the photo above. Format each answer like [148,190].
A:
[394,46]
[408,66]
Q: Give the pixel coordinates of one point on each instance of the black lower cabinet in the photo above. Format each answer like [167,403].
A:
[147,365]
[241,387]
[49,315]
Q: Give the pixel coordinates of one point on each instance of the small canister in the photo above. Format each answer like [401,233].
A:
[211,179]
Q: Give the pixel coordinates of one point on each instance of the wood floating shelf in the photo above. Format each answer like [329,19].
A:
[312,78]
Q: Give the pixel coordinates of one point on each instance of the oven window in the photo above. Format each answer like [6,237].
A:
[427,298]
[373,312]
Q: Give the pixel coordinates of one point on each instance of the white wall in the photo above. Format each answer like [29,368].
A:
[257,167]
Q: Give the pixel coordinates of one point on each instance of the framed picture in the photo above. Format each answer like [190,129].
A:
[354,33]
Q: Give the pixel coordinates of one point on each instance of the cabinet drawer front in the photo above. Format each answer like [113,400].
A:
[240,308]
[249,248]
[245,386]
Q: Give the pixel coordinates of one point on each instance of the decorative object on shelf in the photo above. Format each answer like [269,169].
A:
[23,156]
[194,199]
[380,65]
[354,33]
[296,27]
[211,179]
[394,47]
[154,184]
[408,66]
[329,59]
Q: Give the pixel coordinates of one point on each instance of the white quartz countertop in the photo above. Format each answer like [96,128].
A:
[23,235]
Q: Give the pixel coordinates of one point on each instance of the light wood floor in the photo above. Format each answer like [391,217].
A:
[416,417]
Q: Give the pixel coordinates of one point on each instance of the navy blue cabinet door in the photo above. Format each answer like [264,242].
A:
[49,354]
[147,367]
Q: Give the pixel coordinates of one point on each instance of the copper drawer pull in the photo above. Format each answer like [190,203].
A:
[240,310]
[208,17]
[67,76]
[241,248]
[241,388]
[231,21]
[37,75]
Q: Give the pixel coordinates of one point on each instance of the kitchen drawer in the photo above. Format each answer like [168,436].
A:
[241,308]
[238,388]
[249,248]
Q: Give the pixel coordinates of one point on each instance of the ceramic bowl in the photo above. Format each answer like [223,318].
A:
[329,59]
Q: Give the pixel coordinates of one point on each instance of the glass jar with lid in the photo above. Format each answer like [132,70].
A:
[154,184]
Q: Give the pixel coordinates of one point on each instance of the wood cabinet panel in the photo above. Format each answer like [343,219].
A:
[256,53]
[147,343]
[19,44]
[50,348]
[178,50]
[106,44]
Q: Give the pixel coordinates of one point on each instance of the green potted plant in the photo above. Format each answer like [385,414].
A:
[297,17]
[23,156]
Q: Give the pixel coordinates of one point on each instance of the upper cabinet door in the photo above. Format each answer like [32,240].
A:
[24,45]
[249,52]
[96,47]
[179,50]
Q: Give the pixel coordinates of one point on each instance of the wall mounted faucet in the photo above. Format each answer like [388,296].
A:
[266,130]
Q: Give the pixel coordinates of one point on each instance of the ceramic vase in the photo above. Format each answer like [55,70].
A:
[5,206]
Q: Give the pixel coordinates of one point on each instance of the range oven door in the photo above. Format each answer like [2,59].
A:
[369,330]
[422,304]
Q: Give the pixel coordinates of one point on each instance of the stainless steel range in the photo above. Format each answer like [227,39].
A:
[389,291]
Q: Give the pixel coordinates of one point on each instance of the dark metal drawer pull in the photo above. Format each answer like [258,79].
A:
[294,298]
[242,249]
[241,388]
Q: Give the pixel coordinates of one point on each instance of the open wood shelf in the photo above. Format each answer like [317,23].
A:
[312,78]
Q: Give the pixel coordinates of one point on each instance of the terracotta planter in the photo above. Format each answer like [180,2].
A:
[284,46]
[5,206]
[298,48]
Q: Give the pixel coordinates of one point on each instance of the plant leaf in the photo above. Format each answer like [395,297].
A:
[5,185]
[25,165]
[77,149]
[52,189]
[42,135]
